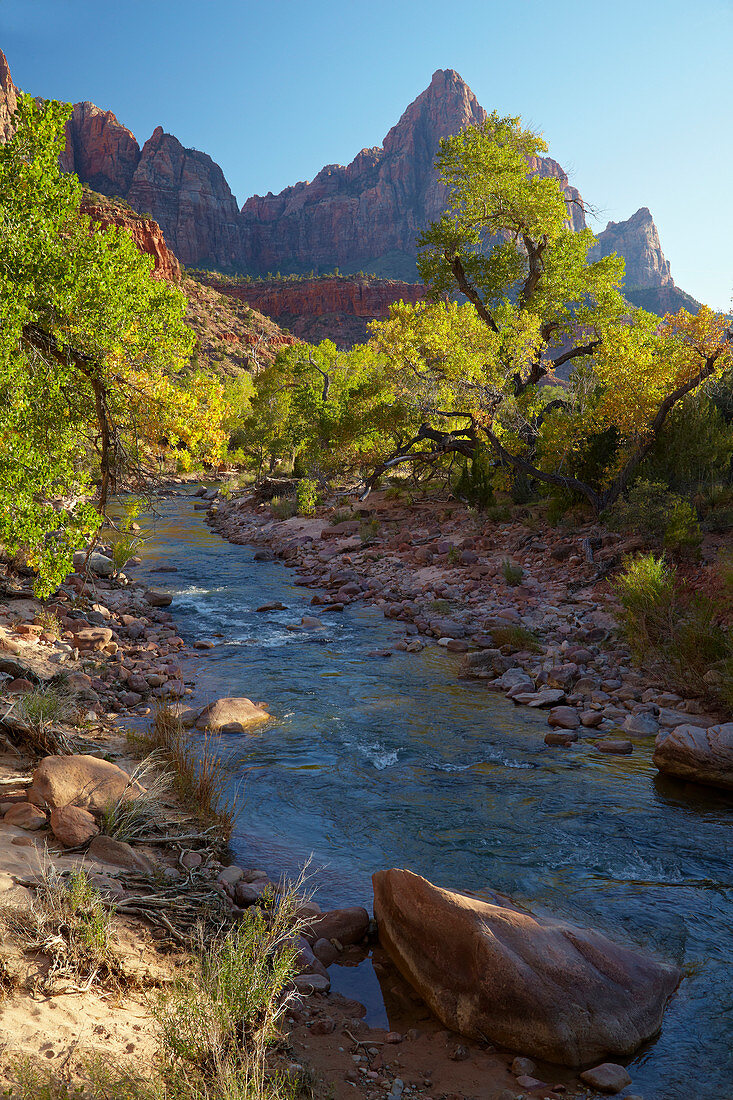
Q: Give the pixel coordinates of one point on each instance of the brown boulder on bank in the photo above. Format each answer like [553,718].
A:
[696,754]
[231,715]
[490,970]
[86,781]
[72,826]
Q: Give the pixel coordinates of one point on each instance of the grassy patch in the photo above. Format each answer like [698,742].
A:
[70,923]
[512,573]
[36,716]
[199,772]
[283,508]
[518,637]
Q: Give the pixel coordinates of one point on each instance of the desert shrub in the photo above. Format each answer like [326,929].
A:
[368,531]
[440,607]
[38,716]
[69,922]
[512,573]
[341,515]
[200,773]
[283,507]
[132,818]
[454,555]
[475,484]
[498,513]
[306,494]
[517,637]
[646,592]
[678,634]
[651,510]
[49,622]
[693,448]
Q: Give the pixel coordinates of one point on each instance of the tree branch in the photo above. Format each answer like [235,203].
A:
[469,291]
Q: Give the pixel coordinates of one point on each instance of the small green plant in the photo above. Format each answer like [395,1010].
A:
[49,622]
[682,534]
[499,513]
[306,493]
[651,510]
[37,717]
[454,555]
[127,542]
[512,573]
[70,922]
[516,637]
[368,531]
[283,507]
[645,590]
[341,515]
[440,607]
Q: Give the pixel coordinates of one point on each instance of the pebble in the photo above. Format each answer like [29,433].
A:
[608,1077]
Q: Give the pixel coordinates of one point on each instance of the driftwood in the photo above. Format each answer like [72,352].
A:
[271,487]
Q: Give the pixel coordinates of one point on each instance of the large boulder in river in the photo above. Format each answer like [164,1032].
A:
[85,781]
[231,715]
[538,985]
[696,754]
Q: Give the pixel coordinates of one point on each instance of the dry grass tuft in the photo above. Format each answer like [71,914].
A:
[200,773]
[36,720]
[69,922]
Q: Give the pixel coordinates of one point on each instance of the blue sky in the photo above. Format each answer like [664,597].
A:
[634,98]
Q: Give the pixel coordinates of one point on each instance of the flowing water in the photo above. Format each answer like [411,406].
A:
[377,762]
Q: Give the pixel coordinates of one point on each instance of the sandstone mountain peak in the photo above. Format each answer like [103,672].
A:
[363,216]
[637,240]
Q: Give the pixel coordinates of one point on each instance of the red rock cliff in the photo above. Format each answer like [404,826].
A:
[367,216]
[8,98]
[637,240]
[103,153]
[337,309]
[186,193]
[144,231]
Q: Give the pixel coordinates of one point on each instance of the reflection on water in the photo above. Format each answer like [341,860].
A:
[379,762]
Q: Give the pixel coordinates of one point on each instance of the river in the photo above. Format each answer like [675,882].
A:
[376,762]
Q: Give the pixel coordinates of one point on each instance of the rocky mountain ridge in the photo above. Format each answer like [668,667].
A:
[362,217]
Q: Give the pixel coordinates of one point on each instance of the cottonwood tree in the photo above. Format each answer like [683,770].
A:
[484,373]
[93,356]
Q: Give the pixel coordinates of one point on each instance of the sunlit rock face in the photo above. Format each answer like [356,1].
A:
[637,240]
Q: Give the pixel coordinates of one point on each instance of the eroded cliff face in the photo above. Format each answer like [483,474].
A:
[186,193]
[337,309]
[367,216]
[637,240]
[8,99]
[103,153]
[145,232]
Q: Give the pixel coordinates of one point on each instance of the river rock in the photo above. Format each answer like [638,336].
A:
[93,638]
[158,597]
[643,725]
[565,718]
[108,849]
[490,662]
[345,925]
[85,781]
[72,826]
[25,816]
[231,715]
[607,1077]
[97,563]
[539,985]
[700,755]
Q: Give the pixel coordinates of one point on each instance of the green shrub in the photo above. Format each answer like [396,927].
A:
[694,446]
[368,531]
[651,510]
[127,541]
[681,638]
[475,484]
[499,513]
[283,507]
[512,573]
[306,494]
[341,515]
[517,637]
[646,591]
[454,555]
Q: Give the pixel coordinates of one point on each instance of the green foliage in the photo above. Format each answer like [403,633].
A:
[678,634]
[368,531]
[127,542]
[283,507]
[651,510]
[89,344]
[512,573]
[518,638]
[693,449]
[475,485]
[646,592]
[306,495]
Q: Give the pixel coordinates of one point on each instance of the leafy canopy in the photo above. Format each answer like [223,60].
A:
[93,355]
